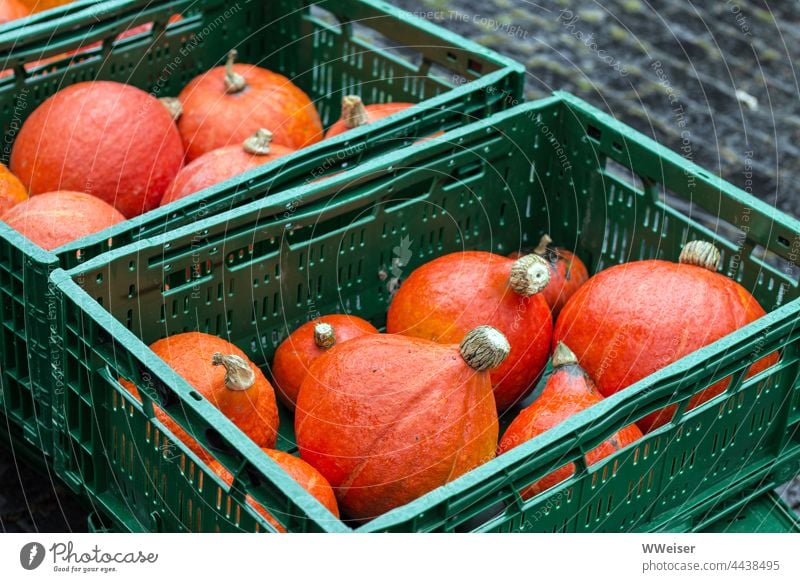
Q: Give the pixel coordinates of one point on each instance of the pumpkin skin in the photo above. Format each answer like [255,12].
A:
[382,436]
[356,114]
[253,410]
[217,166]
[307,476]
[56,218]
[568,391]
[445,298]
[107,139]
[41,5]
[213,118]
[294,356]
[633,319]
[12,191]
[11,10]
[567,273]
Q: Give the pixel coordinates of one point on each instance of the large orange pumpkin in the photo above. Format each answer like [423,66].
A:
[41,5]
[294,356]
[633,319]
[226,105]
[110,140]
[388,418]
[56,218]
[11,10]
[568,391]
[445,298]
[307,476]
[220,164]
[223,374]
[12,191]
[355,113]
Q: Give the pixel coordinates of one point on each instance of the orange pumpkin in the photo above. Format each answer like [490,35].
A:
[294,356]
[11,10]
[567,273]
[568,391]
[355,113]
[12,191]
[223,375]
[633,319]
[448,296]
[388,418]
[226,105]
[56,218]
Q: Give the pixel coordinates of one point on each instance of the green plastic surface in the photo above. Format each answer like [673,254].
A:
[329,49]
[767,513]
[253,274]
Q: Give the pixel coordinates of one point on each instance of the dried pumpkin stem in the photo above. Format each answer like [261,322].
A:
[484,348]
[238,373]
[529,275]
[234,82]
[701,253]
[563,356]
[544,242]
[258,143]
[173,105]
[324,336]
[354,114]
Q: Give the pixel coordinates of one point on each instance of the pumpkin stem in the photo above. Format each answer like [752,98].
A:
[544,242]
[258,143]
[563,356]
[354,114]
[529,275]
[701,253]
[324,335]
[238,373]
[173,105]
[234,82]
[484,348]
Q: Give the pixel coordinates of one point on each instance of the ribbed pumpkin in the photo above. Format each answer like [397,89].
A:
[567,273]
[107,139]
[633,319]
[12,191]
[294,356]
[220,164]
[56,218]
[223,374]
[226,105]
[568,391]
[307,476]
[355,114]
[388,418]
[445,298]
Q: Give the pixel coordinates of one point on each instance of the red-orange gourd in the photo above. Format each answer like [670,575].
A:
[107,139]
[445,298]
[307,476]
[633,319]
[355,113]
[11,10]
[567,273]
[56,218]
[12,191]
[226,105]
[294,356]
[388,418]
[223,374]
[568,391]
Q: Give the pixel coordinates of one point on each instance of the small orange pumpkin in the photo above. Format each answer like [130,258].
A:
[12,191]
[355,113]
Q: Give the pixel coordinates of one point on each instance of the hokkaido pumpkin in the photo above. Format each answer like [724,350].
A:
[56,218]
[567,273]
[355,113]
[568,391]
[107,139]
[633,319]
[41,5]
[306,475]
[223,375]
[11,10]
[12,191]
[220,164]
[445,298]
[294,356]
[226,105]
[388,418]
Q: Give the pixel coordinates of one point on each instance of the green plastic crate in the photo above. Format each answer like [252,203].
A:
[254,274]
[767,513]
[454,80]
